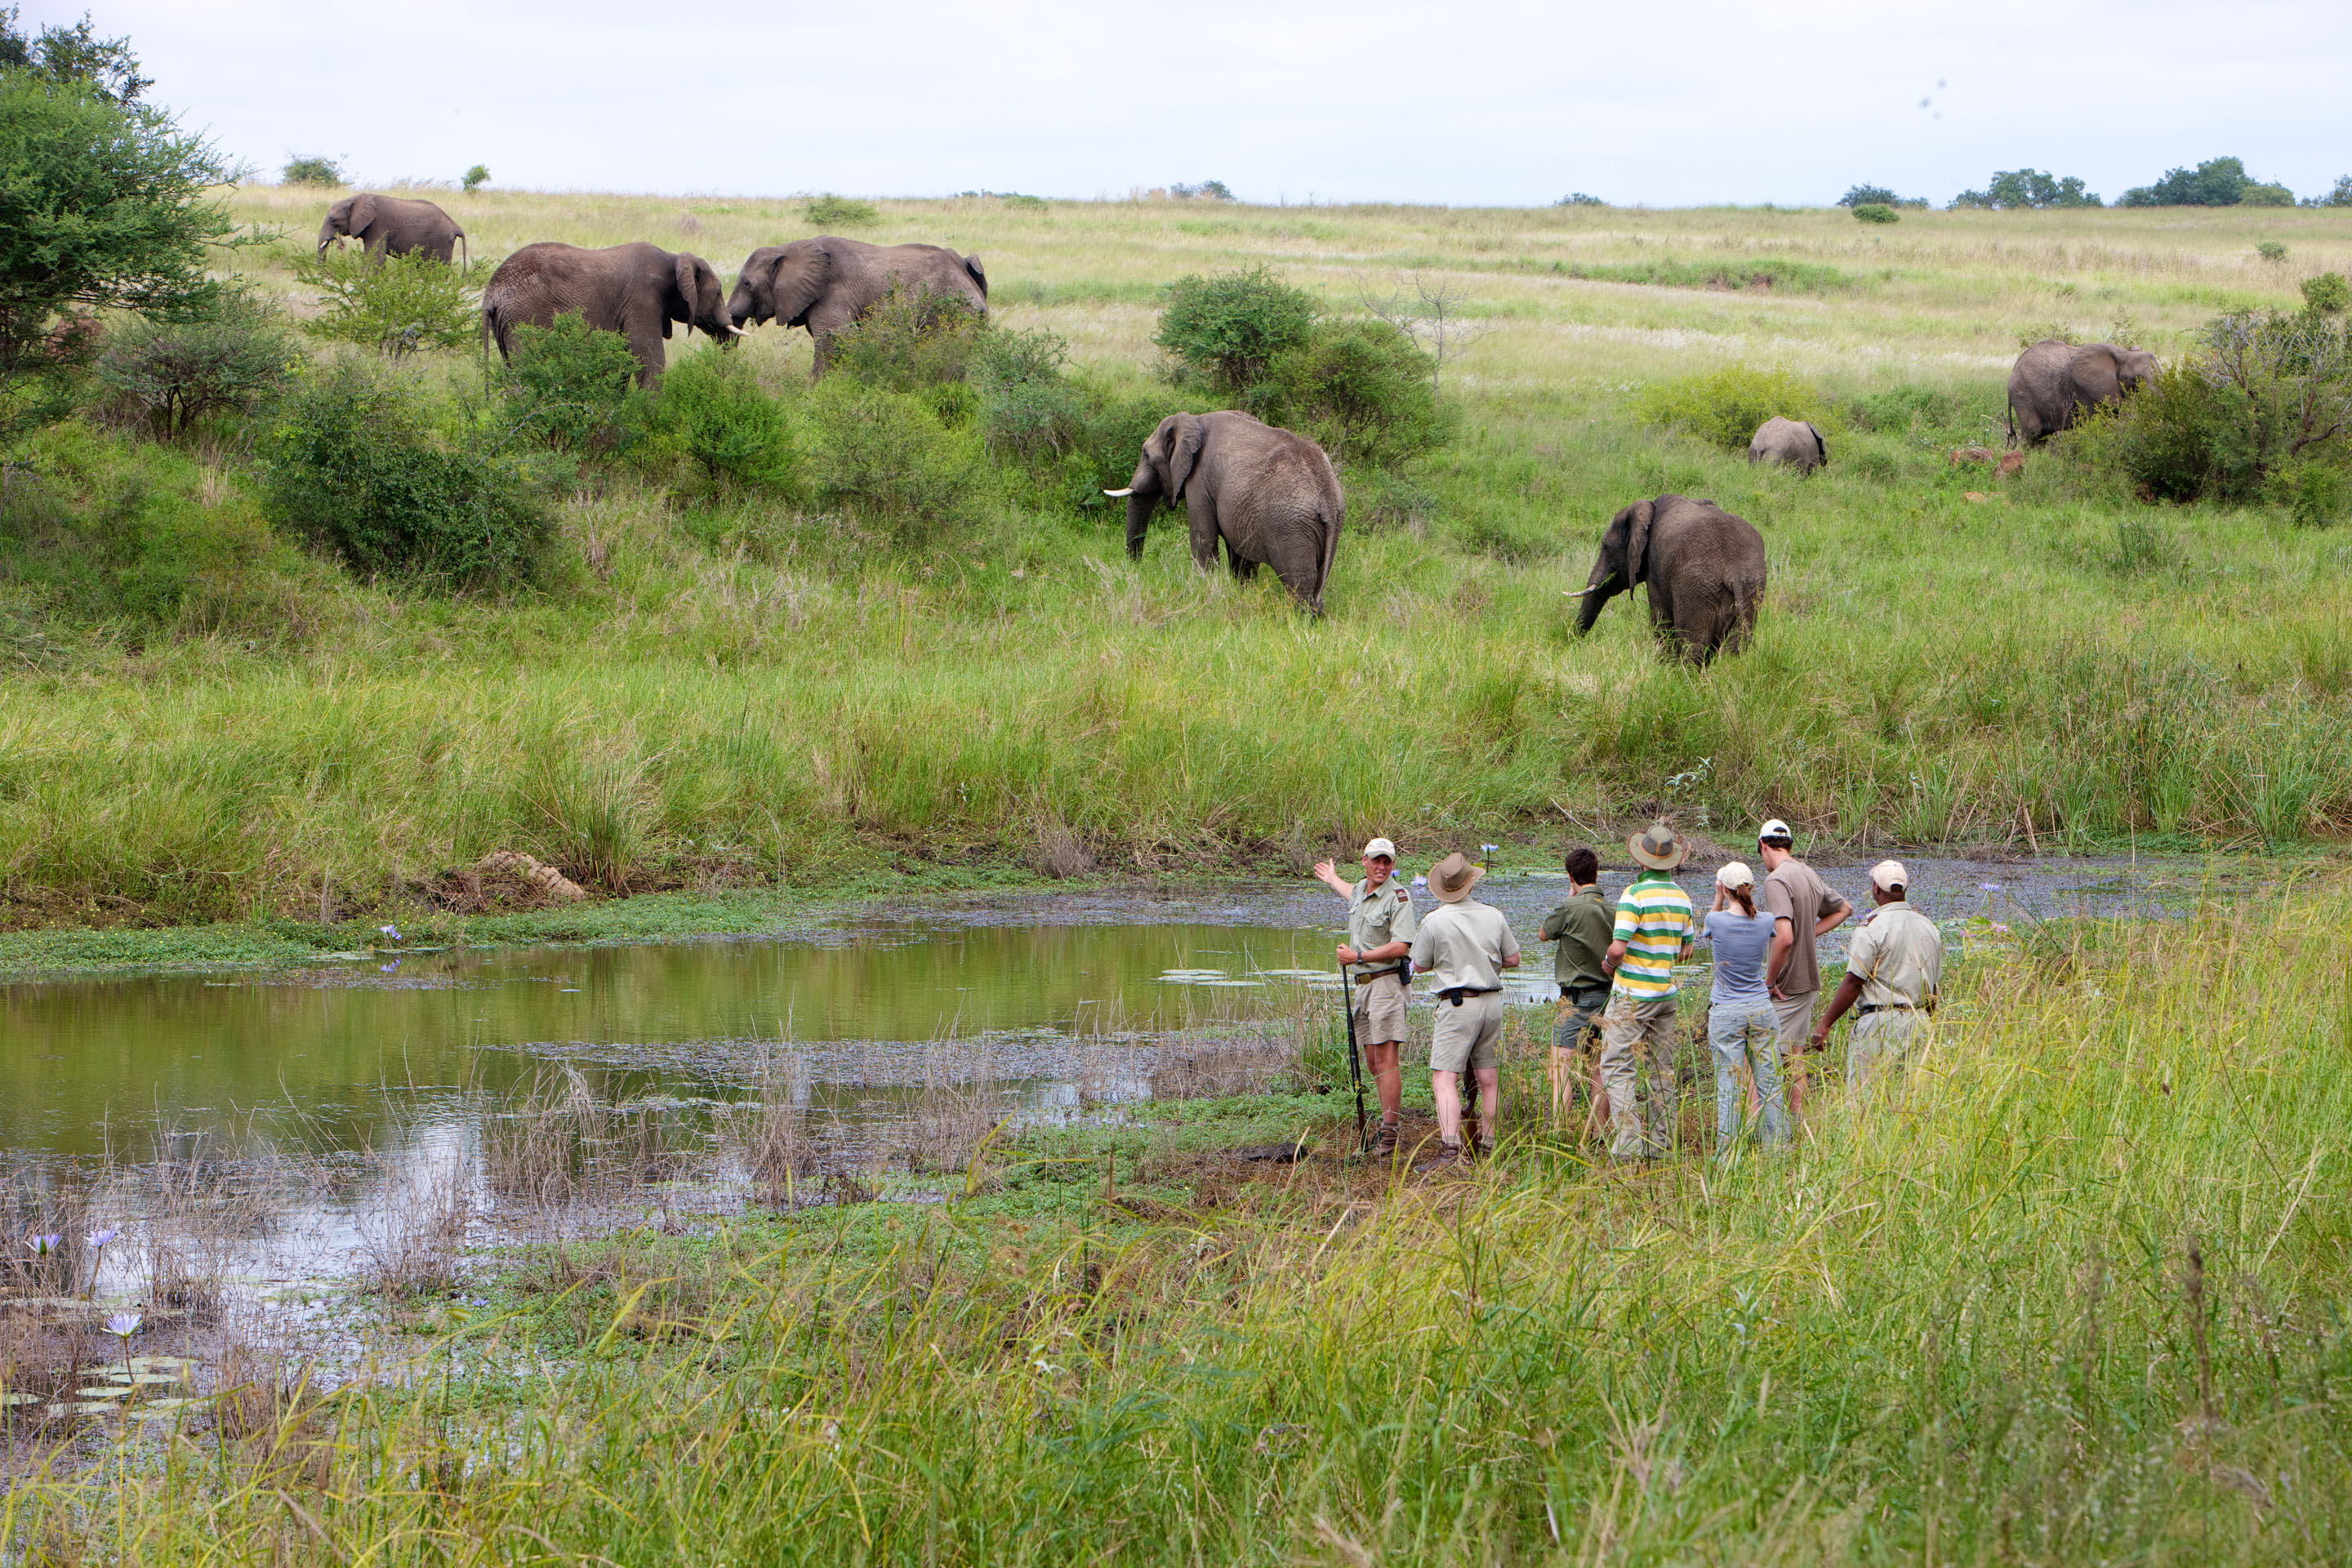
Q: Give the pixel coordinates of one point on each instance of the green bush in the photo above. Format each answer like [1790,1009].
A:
[476,178]
[1361,386]
[885,455]
[575,387]
[2328,293]
[829,210]
[393,304]
[1724,407]
[1876,212]
[912,338]
[2314,494]
[1026,406]
[711,405]
[1224,330]
[169,374]
[1580,199]
[354,467]
[2271,250]
[310,169]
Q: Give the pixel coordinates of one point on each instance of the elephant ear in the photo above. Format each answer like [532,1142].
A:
[1183,450]
[1820,447]
[978,273]
[1637,543]
[798,278]
[689,269]
[362,214]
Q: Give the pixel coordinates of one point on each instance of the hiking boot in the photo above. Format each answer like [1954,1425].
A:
[1450,1157]
[1384,1142]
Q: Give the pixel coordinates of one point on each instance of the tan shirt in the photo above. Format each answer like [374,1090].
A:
[1376,920]
[1796,893]
[1464,945]
[1898,956]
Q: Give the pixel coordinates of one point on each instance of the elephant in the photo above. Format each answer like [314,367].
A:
[635,289]
[2054,380]
[1269,494]
[824,284]
[1796,442]
[393,225]
[1704,568]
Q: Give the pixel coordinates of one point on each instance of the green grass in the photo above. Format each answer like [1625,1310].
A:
[1963,1325]
[712,694]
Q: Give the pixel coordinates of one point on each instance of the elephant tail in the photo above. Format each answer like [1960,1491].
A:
[466,250]
[1330,551]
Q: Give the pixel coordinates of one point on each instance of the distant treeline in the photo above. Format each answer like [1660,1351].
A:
[2215,183]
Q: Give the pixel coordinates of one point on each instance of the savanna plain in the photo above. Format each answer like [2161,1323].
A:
[2074,1294]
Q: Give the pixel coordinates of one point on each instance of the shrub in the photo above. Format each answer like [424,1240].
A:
[829,210]
[2025,189]
[1207,190]
[1876,212]
[2314,494]
[885,455]
[1725,407]
[711,403]
[169,374]
[355,468]
[2271,250]
[310,169]
[393,304]
[572,386]
[2264,394]
[1362,387]
[1578,199]
[1226,329]
[476,178]
[2328,293]
[1027,408]
[911,339]
[1868,195]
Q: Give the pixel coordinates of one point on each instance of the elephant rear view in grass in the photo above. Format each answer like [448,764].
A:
[2054,380]
[1268,494]
[637,290]
[393,225]
[1795,442]
[1703,567]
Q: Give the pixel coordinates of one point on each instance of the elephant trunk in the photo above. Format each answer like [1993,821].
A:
[743,307]
[1598,591]
[326,236]
[1139,508]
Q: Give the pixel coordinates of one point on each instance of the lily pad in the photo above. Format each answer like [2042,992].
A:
[10,1400]
[173,1364]
[105,1390]
[159,1409]
[152,1379]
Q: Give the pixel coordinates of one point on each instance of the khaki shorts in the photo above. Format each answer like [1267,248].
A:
[1796,1014]
[1379,1011]
[1468,1037]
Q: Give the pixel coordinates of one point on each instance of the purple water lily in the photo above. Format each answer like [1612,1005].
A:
[392,931]
[44,1246]
[98,1239]
[122,1325]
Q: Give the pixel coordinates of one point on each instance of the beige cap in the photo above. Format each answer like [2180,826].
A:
[1380,847]
[1889,875]
[1736,874]
[1453,877]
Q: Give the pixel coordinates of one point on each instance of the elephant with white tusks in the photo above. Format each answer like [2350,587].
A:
[1704,568]
[637,290]
[1268,494]
[2054,380]
[1795,442]
[393,225]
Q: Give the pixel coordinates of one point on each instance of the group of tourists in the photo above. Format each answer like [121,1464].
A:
[1616,1031]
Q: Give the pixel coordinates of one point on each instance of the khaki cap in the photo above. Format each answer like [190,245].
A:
[1889,875]
[1657,847]
[1453,877]
[1735,874]
[1380,847]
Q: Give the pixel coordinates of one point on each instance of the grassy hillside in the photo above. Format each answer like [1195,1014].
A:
[711,691]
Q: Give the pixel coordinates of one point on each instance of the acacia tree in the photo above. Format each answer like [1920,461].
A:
[102,206]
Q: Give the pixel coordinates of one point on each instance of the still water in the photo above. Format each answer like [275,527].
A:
[1033,993]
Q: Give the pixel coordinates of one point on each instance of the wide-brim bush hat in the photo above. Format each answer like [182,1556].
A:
[1735,874]
[1658,847]
[1453,877]
[1378,847]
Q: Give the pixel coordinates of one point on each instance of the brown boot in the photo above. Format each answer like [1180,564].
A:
[1450,1157]
[1384,1142]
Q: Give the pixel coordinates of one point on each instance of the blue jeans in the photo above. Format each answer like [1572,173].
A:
[1746,1032]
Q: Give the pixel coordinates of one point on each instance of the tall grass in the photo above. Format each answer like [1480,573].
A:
[2073,1297]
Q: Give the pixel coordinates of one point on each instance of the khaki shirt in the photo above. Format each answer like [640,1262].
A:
[1796,893]
[1376,920]
[1898,956]
[1463,945]
[1584,927]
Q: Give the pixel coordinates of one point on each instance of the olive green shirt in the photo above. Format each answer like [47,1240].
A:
[1376,920]
[1583,927]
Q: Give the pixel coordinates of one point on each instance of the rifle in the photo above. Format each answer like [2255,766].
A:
[1355,1067]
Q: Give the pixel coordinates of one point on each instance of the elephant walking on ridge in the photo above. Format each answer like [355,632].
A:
[1704,569]
[393,225]
[1268,494]
[825,284]
[2053,382]
[1796,442]
[637,290]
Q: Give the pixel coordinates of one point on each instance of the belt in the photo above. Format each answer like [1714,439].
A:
[1455,993]
[1885,1007]
[1576,993]
[1401,971]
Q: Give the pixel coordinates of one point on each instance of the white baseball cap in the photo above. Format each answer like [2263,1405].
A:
[1380,847]
[1736,874]
[1774,828]
[1889,875]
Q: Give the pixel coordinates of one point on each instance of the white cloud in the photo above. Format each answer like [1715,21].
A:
[1494,101]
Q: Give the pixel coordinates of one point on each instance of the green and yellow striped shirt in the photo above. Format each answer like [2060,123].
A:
[1654,922]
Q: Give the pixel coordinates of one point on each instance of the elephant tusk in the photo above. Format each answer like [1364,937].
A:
[1576,593]
[1129,491]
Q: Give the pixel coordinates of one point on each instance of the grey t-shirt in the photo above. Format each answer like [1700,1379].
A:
[1795,892]
[1741,942]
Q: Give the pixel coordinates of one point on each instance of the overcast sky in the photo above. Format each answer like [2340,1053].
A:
[1492,102]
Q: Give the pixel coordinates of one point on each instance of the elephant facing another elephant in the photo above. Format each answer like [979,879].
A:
[393,225]
[1268,494]
[1703,567]
[637,290]
[2054,380]
[825,284]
